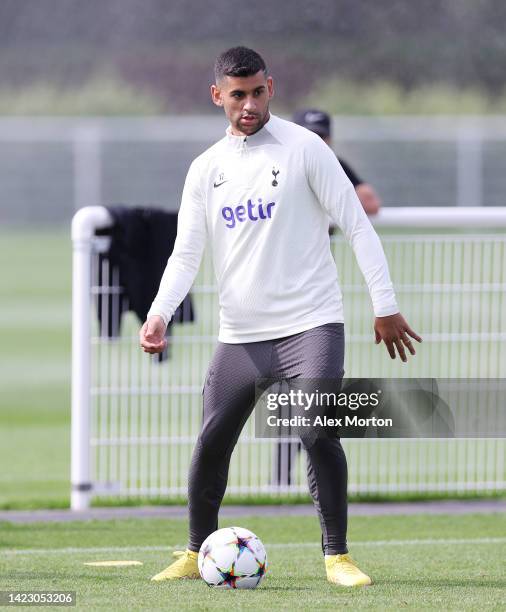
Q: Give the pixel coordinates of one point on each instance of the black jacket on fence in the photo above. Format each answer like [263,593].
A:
[142,239]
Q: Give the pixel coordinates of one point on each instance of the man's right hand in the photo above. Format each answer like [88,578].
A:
[152,335]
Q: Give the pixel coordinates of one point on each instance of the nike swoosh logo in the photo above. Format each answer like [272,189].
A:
[218,184]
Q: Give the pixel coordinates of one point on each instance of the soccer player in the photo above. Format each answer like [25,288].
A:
[319,122]
[262,197]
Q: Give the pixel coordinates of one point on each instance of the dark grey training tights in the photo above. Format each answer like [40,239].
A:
[229,393]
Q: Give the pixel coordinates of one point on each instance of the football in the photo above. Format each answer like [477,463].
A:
[232,558]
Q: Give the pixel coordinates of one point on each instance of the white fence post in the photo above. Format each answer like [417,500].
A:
[84,224]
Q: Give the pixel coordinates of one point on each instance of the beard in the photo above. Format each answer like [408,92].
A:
[251,127]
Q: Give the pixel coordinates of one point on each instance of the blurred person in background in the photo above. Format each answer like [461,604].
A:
[319,122]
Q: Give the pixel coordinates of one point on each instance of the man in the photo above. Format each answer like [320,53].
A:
[262,196]
[319,122]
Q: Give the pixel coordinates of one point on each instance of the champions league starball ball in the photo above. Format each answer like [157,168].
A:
[232,558]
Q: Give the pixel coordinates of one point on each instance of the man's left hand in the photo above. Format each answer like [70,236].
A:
[394,331]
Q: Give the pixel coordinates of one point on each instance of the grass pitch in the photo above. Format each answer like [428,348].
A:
[35,327]
[430,562]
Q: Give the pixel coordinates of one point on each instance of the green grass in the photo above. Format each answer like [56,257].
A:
[102,95]
[382,97]
[35,327]
[460,565]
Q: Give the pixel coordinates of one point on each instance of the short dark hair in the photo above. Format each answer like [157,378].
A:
[238,62]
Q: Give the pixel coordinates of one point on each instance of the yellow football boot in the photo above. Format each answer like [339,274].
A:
[341,569]
[185,567]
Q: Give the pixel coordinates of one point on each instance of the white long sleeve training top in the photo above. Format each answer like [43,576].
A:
[264,202]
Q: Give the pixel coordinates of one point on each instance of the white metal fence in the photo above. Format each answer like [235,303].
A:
[49,167]
[134,420]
